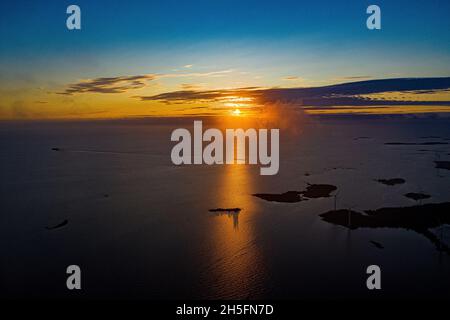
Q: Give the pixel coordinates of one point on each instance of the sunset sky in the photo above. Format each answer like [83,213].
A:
[152,58]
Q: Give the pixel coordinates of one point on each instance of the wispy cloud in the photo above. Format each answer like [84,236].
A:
[120,84]
[219,73]
[194,96]
[109,85]
[191,86]
[292,78]
[352,78]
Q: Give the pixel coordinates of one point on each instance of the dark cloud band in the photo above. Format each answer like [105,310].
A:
[346,94]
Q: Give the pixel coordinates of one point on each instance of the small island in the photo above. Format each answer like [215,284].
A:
[442,164]
[391,182]
[236,210]
[312,191]
[417,196]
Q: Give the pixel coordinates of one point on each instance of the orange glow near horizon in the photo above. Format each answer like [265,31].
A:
[229,103]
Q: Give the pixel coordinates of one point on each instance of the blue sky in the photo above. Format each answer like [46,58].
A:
[228,31]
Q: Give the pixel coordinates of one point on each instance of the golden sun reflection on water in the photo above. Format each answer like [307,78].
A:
[236,255]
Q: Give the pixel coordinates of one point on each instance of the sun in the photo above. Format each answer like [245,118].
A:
[236,112]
